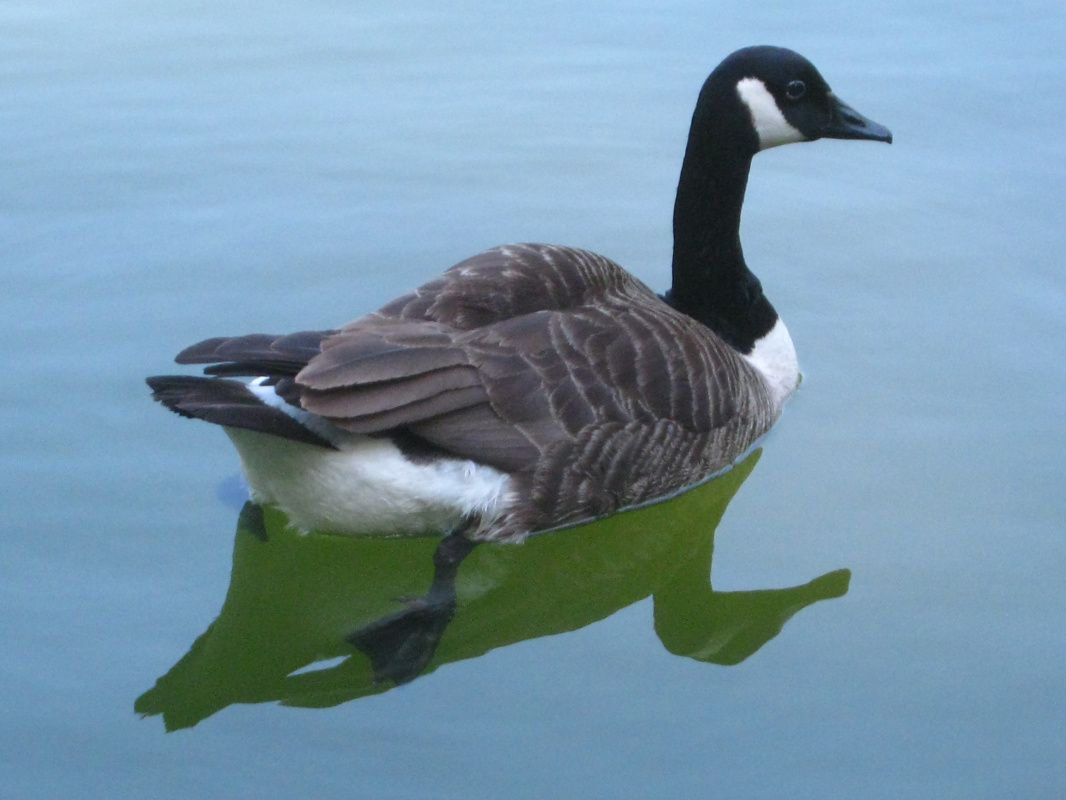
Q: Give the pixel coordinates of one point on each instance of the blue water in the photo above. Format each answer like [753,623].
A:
[174,171]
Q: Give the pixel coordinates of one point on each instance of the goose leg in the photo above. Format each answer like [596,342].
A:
[401,645]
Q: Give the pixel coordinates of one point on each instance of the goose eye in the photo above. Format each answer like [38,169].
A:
[795,90]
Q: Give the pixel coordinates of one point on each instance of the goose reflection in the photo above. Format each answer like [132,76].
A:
[315,621]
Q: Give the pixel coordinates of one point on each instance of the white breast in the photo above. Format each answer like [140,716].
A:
[774,357]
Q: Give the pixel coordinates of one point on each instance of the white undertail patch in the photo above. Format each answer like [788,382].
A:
[365,486]
[314,423]
[770,124]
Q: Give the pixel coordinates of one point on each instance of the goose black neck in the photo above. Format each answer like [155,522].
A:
[711,281]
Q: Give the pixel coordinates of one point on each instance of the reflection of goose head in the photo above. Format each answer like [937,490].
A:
[727,627]
[295,601]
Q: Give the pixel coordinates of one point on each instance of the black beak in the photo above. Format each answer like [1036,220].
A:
[847,123]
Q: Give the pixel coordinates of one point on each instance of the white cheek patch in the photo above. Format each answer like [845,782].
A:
[770,124]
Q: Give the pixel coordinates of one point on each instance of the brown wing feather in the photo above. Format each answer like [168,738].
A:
[508,282]
[258,353]
[379,349]
[375,397]
[486,322]
[477,432]
[417,411]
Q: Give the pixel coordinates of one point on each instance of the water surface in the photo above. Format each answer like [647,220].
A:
[170,172]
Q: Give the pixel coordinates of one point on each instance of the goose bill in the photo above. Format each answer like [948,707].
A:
[847,123]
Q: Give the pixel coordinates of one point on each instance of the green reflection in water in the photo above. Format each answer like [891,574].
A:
[295,600]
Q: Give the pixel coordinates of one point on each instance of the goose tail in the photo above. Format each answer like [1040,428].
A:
[228,403]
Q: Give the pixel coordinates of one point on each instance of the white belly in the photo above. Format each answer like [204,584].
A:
[368,486]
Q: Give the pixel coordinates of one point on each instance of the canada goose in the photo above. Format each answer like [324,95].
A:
[533,386]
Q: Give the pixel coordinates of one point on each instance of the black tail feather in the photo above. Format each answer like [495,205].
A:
[229,403]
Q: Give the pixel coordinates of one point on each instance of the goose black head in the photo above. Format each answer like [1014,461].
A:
[757,98]
[788,100]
